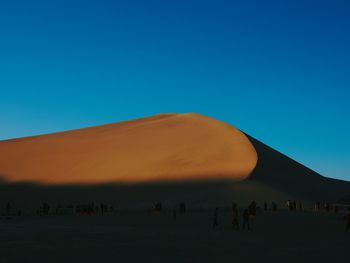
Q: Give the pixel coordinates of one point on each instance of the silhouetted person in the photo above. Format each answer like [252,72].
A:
[347,222]
[336,209]
[182,208]
[234,207]
[274,207]
[158,207]
[46,208]
[246,219]
[265,206]
[102,208]
[235,220]
[215,218]
[252,208]
[300,206]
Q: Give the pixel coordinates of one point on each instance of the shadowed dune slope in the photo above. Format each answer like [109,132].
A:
[159,148]
[292,178]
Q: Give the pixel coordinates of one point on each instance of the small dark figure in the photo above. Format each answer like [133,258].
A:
[327,207]
[274,207]
[300,206]
[246,215]
[102,208]
[252,208]
[46,208]
[265,206]
[336,209]
[182,208]
[158,207]
[19,212]
[347,222]
[215,218]
[234,207]
[235,220]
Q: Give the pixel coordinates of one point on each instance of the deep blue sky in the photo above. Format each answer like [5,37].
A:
[278,70]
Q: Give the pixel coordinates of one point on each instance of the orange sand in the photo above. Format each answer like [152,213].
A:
[159,148]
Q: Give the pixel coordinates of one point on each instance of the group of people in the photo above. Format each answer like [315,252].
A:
[248,212]
[292,205]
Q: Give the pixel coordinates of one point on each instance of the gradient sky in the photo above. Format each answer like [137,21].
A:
[278,70]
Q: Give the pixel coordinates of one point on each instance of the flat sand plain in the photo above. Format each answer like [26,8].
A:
[143,236]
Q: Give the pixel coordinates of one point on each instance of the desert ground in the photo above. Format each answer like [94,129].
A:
[146,236]
[168,158]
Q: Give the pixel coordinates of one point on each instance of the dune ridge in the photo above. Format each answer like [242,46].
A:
[159,148]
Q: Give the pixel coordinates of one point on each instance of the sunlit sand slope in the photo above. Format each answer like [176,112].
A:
[159,148]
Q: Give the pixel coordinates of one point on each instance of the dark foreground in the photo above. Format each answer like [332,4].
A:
[148,237]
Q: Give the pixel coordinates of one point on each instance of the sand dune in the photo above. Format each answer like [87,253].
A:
[159,148]
[136,162]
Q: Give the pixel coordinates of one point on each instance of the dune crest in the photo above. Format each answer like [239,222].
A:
[159,148]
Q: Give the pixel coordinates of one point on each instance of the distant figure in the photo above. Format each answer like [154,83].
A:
[336,209]
[274,207]
[347,222]
[300,206]
[158,207]
[102,207]
[288,204]
[252,209]
[215,218]
[182,208]
[234,207]
[46,208]
[265,206]
[246,219]
[235,220]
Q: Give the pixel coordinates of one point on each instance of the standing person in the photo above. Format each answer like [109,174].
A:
[265,206]
[235,220]
[347,222]
[300,206]
[274,207]
[215,218]
[246,219]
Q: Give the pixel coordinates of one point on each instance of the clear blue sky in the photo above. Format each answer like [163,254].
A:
[278,70]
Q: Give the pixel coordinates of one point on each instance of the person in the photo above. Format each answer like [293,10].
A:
[235,221]
[234,206]
[274,207]
[182,208]
[347,222]
[336,209]
[215,218]
[252,209]
[246,219]
[300,206]
[265,206]
[289,205]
